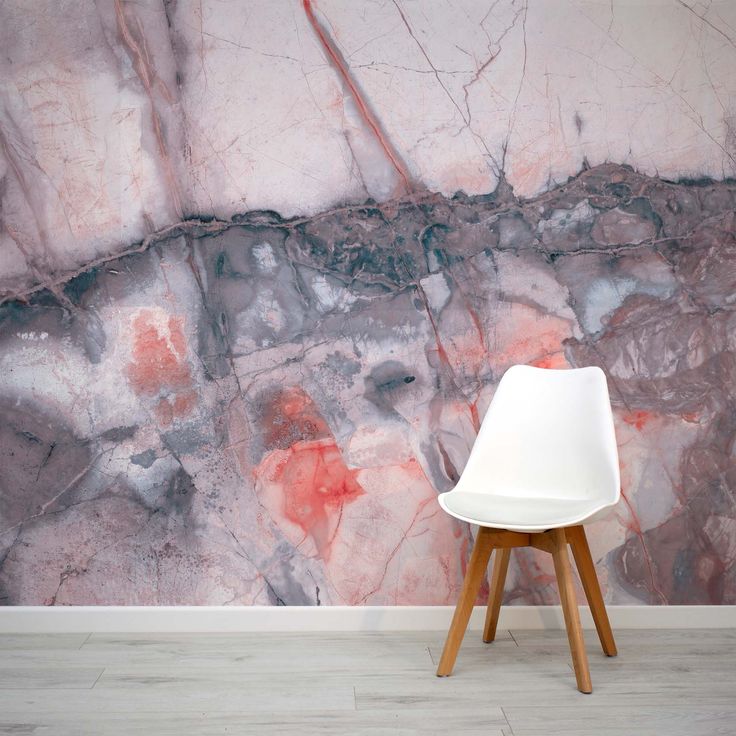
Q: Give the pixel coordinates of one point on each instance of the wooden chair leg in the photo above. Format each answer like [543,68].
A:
[570,610]
[473,577]
[586,568]
[495,594]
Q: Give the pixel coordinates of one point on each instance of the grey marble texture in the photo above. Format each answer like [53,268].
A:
[264,410]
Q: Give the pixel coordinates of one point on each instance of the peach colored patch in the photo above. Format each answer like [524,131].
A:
[159,368]
[637,419]
[184,403]
[167,411]
[467,353]
[164,412]
[556,360]
[396,545]
[158,357]
[304,478]
[292,414]
[471,182]
[315,483]
[523,335]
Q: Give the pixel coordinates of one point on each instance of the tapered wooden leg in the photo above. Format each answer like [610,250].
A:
[495,594]
[473,577]
[570,610]
[586,568]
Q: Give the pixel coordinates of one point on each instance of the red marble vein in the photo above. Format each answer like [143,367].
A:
[414,469]
[634,525]
[431,65]
[445,359]
[28,255]
[337,60]
[149,79]
[483,352]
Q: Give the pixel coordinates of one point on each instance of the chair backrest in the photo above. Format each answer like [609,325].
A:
[547,433]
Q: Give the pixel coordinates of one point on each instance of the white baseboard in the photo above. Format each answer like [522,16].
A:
[169,619]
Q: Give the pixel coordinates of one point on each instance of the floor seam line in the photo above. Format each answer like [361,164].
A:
[506,718]
[98,678]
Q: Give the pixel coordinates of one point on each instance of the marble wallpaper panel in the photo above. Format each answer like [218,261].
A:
[263,264]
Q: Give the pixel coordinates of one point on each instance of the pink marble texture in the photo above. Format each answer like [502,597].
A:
[262,267]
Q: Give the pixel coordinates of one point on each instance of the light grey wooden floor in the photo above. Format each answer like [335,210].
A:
[663,682]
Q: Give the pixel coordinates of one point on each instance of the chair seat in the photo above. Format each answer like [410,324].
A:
[522,514]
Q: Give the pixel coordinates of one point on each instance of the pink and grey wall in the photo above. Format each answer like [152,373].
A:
[262,267]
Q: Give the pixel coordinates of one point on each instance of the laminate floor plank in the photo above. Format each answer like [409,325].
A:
[673,669]
[337,654]
[583,720]
[186,696]
[278,653]
[519,691]
[328,723]
[48,677]
[43,642]
[662,682]
[668,641]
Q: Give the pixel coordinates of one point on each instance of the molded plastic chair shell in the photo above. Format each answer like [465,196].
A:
[545,456]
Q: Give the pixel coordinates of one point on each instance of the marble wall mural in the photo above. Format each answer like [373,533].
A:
[262,267]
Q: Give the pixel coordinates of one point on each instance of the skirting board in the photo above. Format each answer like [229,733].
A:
[170,619]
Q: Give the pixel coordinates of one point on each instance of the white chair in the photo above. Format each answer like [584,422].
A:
[544,463]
